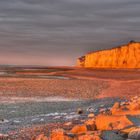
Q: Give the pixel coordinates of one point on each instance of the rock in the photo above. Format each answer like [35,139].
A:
[79,129]
[123,103]
[123,135]
[106,122]
[90,121]
[134,106]
[105,111]
[115,107]
[71,135]
[124,132]
[59,134]
[135,119]
[90,110]
[135,98]
[123,108]
[114,126]
[90,124]
[101,110]
[125,56]
[91,127]
[102,105]
[79,111]
[89,137]
[68,123]
[91,115]
[3,121]
[41,137]
[129,129]
[110,135]
[134,134]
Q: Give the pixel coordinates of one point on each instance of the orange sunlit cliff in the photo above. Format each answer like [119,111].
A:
[125,56]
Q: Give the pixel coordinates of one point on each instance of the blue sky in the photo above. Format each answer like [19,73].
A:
[56,32]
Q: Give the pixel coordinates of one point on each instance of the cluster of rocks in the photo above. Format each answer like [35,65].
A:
[113,123]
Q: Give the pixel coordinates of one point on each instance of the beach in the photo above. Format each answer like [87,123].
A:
[34,100]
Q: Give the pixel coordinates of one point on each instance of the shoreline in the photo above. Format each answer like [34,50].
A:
[12,100]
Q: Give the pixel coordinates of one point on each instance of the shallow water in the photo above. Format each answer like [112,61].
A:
[9,74]
[53,77]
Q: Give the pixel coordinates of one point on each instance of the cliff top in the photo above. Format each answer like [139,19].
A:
[121,46]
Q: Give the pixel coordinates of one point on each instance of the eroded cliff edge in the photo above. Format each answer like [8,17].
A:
[125,56]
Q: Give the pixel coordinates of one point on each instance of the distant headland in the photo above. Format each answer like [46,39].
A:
[124,56]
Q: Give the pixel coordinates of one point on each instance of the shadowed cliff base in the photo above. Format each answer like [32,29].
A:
[125,56]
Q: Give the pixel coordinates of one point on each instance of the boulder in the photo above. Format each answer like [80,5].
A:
[135,119]
[115,108]
[90,124]
[124,132]
[91,115]
[106,122]
[59,134]
[134,134]
[79,129]
[110,135]
[129,129]
[90,110]
[79,111]
[102,110]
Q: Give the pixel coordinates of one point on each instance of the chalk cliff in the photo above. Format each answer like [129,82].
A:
[125,56]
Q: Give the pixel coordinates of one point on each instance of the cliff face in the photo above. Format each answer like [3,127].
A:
[126,56]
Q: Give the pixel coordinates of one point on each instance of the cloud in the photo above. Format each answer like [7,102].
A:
[62,28]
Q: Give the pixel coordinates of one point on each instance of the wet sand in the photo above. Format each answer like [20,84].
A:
[69,82]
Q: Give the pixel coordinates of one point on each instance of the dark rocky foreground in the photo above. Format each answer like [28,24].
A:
[119,122]
[102,119]
[16,116]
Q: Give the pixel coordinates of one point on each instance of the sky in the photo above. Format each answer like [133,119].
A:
[57,32]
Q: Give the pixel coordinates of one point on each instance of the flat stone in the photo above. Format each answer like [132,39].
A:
[110,135]
[134,134]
